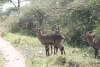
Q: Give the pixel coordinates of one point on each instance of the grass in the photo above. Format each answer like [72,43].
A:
[34,51]
[1,60]
[20,40]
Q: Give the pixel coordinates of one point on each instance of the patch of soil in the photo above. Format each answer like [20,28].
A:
[11,56]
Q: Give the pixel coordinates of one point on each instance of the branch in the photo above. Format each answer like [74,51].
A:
[13,4]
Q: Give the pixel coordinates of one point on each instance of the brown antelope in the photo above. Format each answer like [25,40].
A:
[55,39]
[55,47]
[55,32]
[94,42]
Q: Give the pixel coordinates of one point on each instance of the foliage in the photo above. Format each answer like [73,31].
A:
[96,31]
[24,22]
[81,20]
[3,18]
[9,11]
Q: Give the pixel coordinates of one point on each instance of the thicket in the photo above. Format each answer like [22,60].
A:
[76,21]
[81,20]
[25,20]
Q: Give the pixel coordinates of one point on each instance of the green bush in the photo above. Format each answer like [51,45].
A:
[24,20]
[81,20]
[3,17]
[96,32]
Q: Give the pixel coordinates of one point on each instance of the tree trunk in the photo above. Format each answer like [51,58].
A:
[18,4]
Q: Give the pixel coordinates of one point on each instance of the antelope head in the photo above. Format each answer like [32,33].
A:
[86,35]
[56,31]
[38,31]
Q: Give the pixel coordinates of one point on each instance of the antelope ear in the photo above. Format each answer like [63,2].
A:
[36,28]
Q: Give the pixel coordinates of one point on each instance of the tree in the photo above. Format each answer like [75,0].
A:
[15,5]
[39,16]
[19,1]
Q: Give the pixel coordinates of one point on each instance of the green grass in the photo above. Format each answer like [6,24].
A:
[1,62]
[34,51]
[20,40]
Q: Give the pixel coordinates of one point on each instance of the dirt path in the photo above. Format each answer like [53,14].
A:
[11,57]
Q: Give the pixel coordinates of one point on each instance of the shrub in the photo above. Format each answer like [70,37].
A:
[24,22]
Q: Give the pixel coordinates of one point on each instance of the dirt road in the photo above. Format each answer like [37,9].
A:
[11,57]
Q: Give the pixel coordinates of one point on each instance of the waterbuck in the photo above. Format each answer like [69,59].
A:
[94,42]
[54,39]
[56,31]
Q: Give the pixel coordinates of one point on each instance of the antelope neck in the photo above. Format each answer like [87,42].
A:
[39,35]
[90,39]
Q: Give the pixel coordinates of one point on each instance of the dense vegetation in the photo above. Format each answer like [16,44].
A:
[73,20]
[74,17]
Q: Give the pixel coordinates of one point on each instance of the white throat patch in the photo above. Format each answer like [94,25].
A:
[93,40]
[62,41]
